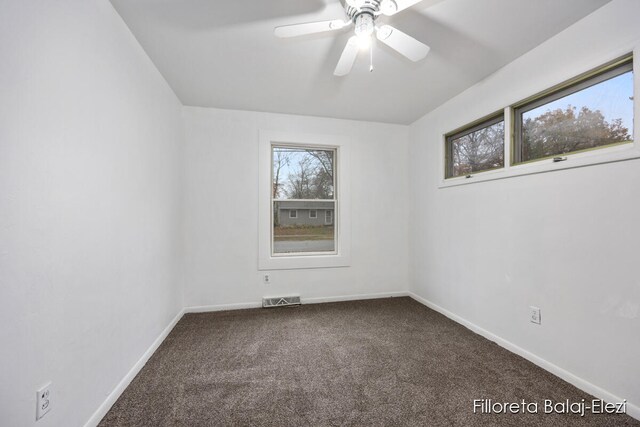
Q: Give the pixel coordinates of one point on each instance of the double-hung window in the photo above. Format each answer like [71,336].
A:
[308,174]
[304,182]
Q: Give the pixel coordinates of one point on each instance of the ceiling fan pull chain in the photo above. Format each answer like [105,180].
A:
[371,57]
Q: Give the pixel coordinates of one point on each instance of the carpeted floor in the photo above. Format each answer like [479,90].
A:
[387,362]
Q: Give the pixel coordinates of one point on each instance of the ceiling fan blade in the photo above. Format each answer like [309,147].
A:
[401,42]
[309,28]
[348,57]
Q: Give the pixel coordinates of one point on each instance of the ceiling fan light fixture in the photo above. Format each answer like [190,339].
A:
[364,25]
[364,42]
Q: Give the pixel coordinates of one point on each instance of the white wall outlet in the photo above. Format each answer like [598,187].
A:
[535,315]
[43,400]
[266,279]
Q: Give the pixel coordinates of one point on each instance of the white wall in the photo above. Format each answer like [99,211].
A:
[90,174]
[91,167]
[565,241]
[221,209]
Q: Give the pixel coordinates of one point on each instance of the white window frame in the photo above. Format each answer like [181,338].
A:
[342,216]
[598,156]
[333,200]
[315,213]
[293,214]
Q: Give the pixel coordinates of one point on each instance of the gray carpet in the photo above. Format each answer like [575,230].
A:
[387,362]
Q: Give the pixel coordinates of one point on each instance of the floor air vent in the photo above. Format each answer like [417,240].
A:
[280,302]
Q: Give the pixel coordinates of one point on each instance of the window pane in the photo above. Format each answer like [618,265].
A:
[305,232]
[300,173]
[596,116]
[480,150]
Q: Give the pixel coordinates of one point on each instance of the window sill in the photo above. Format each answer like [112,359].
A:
[296,262]
[613,154]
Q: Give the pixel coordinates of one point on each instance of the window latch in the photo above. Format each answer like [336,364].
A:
[559,159]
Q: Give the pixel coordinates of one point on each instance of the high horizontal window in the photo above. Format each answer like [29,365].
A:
[594,112]
[477,148]
[303,200]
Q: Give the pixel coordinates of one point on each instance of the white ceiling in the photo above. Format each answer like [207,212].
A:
[223,54]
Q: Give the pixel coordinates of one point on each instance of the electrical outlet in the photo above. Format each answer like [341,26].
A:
[43,400]
[535,315]
[266,279]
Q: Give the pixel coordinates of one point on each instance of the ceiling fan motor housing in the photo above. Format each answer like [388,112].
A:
[370,7]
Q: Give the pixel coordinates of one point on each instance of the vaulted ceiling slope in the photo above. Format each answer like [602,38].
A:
[223,53]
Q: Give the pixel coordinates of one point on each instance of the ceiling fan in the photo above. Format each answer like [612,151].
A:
[363,14]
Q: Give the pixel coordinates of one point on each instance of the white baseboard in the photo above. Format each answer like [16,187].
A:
[319,300]
[632,409]
[124,383]
[222,307]
[315,300]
